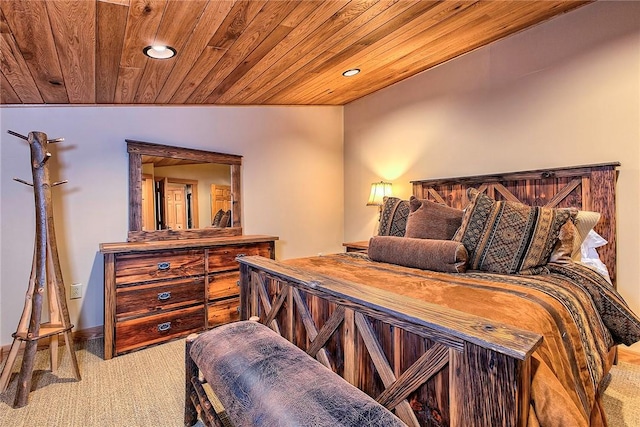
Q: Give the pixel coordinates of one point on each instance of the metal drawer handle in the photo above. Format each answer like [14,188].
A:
[163,266]
[163,296]
[163,327]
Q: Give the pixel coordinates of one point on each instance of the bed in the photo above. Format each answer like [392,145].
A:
[473,348]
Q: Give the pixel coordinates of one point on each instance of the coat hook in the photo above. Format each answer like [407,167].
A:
[22,181]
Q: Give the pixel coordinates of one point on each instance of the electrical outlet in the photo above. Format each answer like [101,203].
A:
[76,291]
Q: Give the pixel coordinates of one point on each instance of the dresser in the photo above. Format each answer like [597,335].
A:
[156,291]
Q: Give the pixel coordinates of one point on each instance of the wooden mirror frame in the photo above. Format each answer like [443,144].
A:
[137,149]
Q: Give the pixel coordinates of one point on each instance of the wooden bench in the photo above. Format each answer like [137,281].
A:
[245,374]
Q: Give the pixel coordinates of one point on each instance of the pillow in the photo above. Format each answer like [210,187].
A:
[217,217]
[509,237]
[427,254]
[572,236]
[431,220]
[584,222]
[225,221]
[563,250]
[393,218]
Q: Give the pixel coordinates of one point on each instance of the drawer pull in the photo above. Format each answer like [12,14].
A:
[164,266]
[163,296]
[163,327]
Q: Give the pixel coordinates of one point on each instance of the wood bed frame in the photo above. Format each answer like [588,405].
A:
[470,371]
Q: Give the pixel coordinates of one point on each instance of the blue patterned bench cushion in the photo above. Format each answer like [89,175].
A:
[264,380]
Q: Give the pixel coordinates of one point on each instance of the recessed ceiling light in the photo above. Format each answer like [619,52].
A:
[159,52]
[351,72]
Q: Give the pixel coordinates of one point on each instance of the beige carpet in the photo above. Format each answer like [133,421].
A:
[146,388]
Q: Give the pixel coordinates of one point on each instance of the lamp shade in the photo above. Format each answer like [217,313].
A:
[379,190]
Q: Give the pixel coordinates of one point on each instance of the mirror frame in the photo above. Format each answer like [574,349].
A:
[137,149]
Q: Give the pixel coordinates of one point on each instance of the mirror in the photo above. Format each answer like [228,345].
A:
[177,193]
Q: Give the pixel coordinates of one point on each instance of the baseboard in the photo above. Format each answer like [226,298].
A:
[78,336]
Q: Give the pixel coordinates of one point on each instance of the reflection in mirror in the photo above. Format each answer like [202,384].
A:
[182,193]
[184,196]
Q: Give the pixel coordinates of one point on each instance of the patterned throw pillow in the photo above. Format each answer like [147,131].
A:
[217,218]
[393,219]
[509,237]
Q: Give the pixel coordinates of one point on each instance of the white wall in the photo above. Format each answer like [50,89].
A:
[564,93]
[292,184]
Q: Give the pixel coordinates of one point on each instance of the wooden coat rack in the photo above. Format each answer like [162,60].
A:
[46,276]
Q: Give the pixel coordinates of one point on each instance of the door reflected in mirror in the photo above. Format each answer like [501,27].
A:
[185,196]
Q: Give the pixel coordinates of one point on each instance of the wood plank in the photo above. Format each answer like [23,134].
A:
[237,69]
[16,72]
[34,44]
[383,39]
[142,25]
[477,373]
[257,32]
[277,305]
[447,46]
[327,330]
[403,410]
[8,95]
[260,286]
[448,327]
[310,326]
[429,364]
[235,23]
[350,347]
[75,38]
[336,28]
[466,25]
[212,18]
[175,30]
[321,13]
[323,45]
[110,29]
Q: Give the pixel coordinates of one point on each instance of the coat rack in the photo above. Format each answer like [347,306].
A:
[46,276]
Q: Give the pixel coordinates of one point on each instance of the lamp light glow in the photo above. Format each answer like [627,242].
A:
[352,72]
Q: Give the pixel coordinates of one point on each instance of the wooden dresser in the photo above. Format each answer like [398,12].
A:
[160,290]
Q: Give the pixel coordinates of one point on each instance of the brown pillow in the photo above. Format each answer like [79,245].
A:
[431,220]
[427,254]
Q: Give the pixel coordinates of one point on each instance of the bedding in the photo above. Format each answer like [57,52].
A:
[567,368]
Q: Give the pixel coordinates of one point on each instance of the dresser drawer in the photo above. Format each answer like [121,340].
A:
[140,332]
[224,257]
[151,297]
[225,311]
[132,268]
[223,285]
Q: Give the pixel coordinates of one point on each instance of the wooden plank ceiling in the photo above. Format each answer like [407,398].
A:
[254,52]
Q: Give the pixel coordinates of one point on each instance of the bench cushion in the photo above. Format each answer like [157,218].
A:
[264,380]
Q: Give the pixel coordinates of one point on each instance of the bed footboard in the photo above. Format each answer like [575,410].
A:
[428,364]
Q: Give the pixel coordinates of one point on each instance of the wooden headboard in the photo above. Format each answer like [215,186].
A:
[590,188]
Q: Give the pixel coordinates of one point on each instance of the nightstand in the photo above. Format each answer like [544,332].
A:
[362,246]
